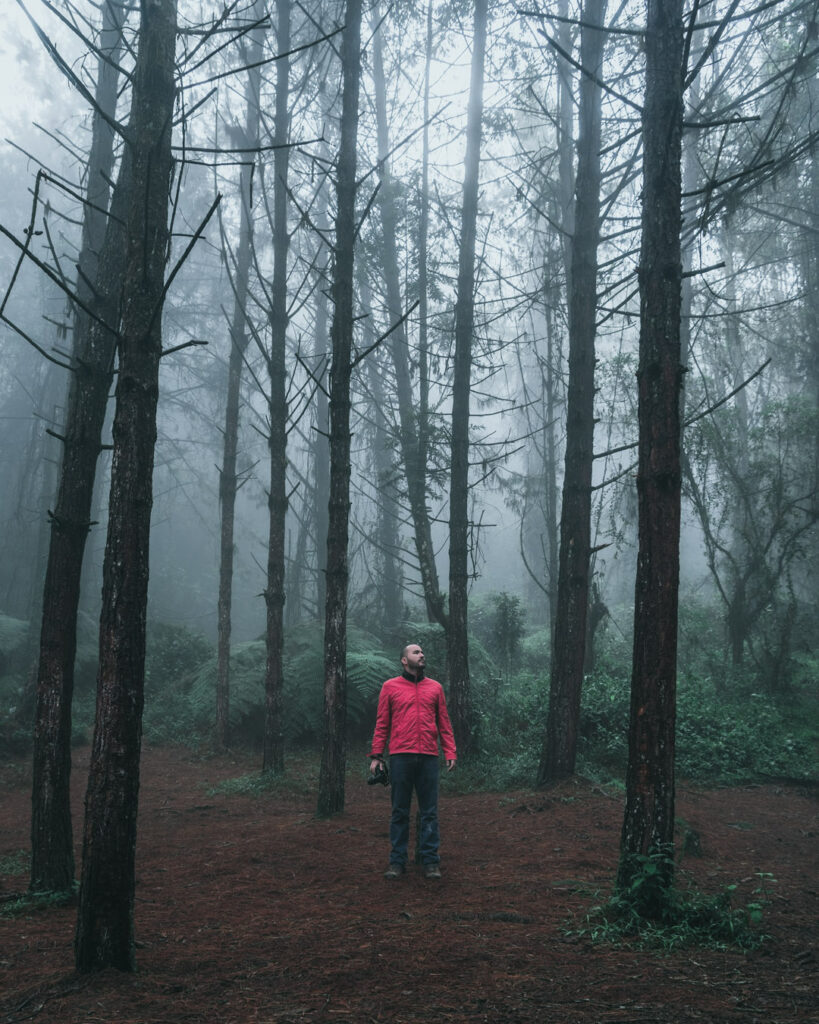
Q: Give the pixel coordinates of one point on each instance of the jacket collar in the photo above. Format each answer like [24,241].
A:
[412,679]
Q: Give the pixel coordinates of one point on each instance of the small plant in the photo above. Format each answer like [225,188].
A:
[651,912]
[20,904]
[16,863]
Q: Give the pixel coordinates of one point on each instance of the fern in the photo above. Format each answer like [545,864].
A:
[13,636]
[303,670]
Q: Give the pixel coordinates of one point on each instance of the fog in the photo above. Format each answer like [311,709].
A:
[520,322]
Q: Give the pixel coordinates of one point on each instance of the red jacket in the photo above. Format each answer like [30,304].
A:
[412,715]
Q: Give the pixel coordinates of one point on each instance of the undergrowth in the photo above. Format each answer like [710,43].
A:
[24,903]
[652,911]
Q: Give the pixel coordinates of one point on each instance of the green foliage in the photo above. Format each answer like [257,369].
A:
[497,621]
[536,651]
[602,744]
[432,639]
[725,733]
[16,863]
[23,904]
[85,662]
[13,640]
[650,911]
[303,669]
[15,731]
[737,737]
[171,654]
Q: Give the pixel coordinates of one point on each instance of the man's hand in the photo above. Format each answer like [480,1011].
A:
[450,764]
[374,763]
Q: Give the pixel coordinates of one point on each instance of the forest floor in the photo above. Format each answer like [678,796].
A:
[250,909]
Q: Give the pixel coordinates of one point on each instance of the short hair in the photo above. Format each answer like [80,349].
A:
[405,648]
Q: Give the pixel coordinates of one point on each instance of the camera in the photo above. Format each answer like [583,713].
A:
[380,777]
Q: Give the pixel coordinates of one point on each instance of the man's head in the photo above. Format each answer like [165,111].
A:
[412,658]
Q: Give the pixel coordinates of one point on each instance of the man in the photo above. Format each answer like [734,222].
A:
[412,715]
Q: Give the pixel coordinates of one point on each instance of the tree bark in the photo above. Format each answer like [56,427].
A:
[228,482]
[334,747]
[277,412]
[387,610]
[320,447]
[101,263]
[741,555]
[457,637]
[105,919]
[648,823]
[412,427]
[568,652]
[550,461]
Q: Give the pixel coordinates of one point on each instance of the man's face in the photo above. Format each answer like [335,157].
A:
[413,659]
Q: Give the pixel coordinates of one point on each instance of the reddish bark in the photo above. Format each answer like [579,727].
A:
[648,823]
[105,935]
[460,698]
[334,751]
[569,647]
[100,264]
[413,422]
[239,340]
[273,753]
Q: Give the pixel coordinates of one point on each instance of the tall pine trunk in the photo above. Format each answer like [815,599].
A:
[105,919]
[423,274]
[320,442]
[387,611]
[457,637]
[99,281]
[741,556]
[273,754]
[334,747]
[239,339]
[411,418]
[560,746]
[648,823]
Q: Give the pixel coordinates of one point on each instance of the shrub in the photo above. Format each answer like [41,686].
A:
[653,911]
[303,669]
[172,655]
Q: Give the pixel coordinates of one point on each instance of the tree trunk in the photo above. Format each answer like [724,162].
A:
[648,823]
[297,566]
[320,447]
[387,609]
[457,639]
[741,529]
[560,746]
[423,276]
[105,919]
[413,448]
[550,459]
[277,412]
[334,748]
[101,262]
[810,276]
[228,483]
[321,452]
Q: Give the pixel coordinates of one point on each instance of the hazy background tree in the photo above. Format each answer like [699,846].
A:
[648,822]
[105,917]
[333,759]
[239,339]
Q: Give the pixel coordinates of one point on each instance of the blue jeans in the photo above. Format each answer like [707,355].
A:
[418,772]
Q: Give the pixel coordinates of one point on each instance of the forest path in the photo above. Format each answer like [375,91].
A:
[252,910]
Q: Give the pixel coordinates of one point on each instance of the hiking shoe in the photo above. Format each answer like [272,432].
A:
[432,871]
[394,871]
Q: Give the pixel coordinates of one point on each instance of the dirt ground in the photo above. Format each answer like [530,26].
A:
[252,910]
